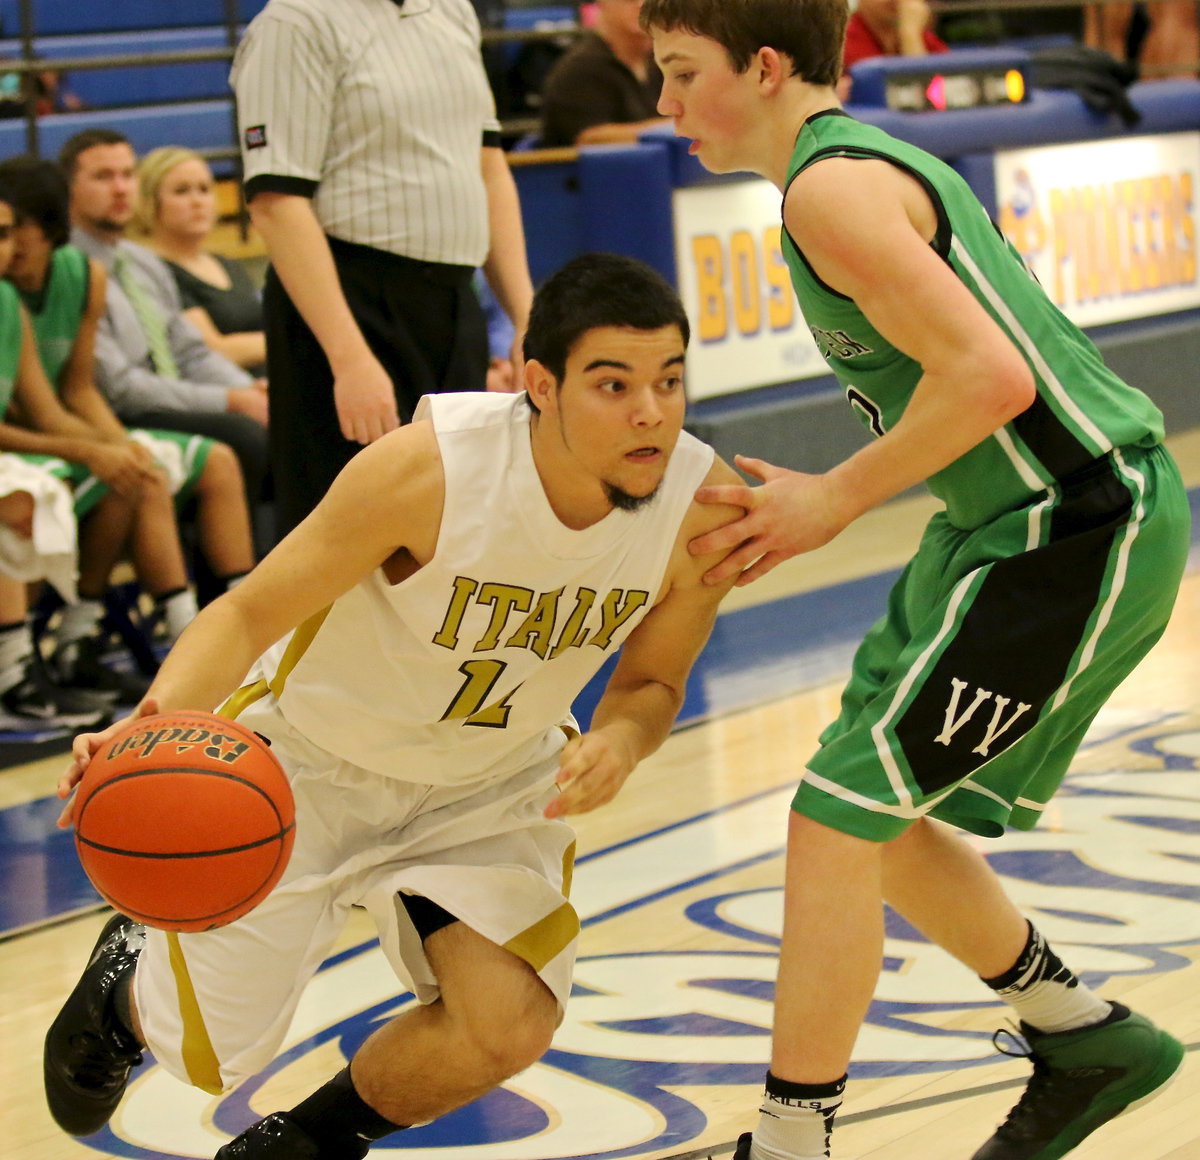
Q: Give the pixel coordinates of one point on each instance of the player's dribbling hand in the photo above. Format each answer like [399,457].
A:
[591,770]
[790,513]
[83,748]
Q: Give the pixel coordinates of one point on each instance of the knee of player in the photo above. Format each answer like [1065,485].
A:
[506,1035]
[16,513]
[156,491]
[221,467]
[21,524]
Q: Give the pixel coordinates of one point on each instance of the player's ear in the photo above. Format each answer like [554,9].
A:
[773,69]
[539,383]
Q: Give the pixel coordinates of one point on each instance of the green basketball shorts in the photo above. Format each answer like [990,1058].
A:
[968,700]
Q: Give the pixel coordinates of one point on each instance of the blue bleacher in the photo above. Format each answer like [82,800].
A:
[196,124]
[184,104]
[541,17]
[69,17]
[142,84]
[153,104]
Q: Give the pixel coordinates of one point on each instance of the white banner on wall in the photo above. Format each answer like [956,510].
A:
[1108,227]
[747,330]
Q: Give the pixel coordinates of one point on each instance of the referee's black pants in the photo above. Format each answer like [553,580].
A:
[422,320]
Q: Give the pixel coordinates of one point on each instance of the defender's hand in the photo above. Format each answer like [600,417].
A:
[791,513]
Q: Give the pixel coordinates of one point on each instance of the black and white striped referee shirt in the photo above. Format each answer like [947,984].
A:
[377,111]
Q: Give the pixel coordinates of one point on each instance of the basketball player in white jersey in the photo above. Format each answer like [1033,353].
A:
[412,650]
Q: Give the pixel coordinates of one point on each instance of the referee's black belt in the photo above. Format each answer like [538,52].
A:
[385,262]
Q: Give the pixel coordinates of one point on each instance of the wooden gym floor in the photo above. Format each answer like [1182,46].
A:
[678,884]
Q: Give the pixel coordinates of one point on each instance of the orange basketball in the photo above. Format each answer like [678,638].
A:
[184,821]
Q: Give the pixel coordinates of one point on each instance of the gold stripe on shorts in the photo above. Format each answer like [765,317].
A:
[547,938]
[568,869]
[199,1058]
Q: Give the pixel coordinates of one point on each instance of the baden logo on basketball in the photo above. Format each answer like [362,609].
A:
[219,746]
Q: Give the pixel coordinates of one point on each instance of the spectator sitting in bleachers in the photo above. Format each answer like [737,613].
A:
[152,365]
[1164,41]
[64,293]
[52,95]
[37,541]
[12,94]
[887,28]
[121,498]
[604,89]
[176,213]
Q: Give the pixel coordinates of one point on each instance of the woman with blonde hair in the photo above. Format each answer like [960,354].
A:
[176,214]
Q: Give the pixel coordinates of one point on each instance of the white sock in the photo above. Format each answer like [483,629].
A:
[796,1120]
[1045,994]
[79,620]
[16,647]
[179,610]
[231,582]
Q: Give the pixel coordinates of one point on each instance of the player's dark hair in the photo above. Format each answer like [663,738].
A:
[68,155]
[594,290]
[38,193]
[809,32]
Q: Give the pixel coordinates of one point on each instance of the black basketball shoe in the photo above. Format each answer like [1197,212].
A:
[82,664]
[278,1137]
[36,702]
[89,1052]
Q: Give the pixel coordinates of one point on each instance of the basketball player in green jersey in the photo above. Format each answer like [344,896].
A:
[1050,573]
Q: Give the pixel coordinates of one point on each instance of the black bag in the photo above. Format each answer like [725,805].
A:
[1098,78]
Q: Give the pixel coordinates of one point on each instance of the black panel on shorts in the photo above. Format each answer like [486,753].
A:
[427,917]
[1019,636]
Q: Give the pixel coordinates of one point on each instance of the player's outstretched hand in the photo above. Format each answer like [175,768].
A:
[790,513]
[591,769]
[83,748]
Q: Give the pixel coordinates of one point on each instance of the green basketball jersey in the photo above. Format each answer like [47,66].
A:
[57,311]
[1082,410]
[10,343]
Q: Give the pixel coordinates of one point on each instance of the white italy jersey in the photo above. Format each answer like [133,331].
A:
[466,670]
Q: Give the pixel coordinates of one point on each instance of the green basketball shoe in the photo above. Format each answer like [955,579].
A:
[1081,1080]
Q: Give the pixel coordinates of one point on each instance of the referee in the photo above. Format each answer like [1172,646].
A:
[362,125]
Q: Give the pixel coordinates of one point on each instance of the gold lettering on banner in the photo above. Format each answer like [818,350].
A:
[1121,238]
[742,282]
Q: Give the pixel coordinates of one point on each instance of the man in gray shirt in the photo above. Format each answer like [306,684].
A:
[151,363]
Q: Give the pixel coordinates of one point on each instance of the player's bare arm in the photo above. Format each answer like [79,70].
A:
[646,690]
[383,510]
[865,228]
[385,503]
